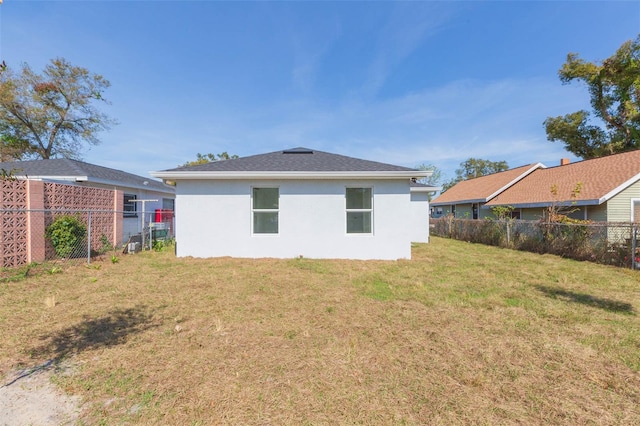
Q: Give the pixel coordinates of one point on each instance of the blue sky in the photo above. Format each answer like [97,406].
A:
[400,82]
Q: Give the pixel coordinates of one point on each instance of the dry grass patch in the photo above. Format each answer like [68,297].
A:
[462,333]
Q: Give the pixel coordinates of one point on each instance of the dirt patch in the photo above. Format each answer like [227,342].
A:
[31,399]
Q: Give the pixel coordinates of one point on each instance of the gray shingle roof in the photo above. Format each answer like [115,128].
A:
[294,160]
[64,167]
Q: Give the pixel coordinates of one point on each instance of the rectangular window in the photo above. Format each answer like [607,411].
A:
[265,205]
[359,210]
[635,214]
[129,206]
[577,213]
[168,204]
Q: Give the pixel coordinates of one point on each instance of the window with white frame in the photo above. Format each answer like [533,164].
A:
[635,213]
[129,206]
[265,206]
[359,210]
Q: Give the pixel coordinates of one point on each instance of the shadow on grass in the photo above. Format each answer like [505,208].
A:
[110,330]
[587,299]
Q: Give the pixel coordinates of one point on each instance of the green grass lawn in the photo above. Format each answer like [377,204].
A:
[462,333]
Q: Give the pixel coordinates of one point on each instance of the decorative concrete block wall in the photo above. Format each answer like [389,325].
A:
[27,207]
[13,225]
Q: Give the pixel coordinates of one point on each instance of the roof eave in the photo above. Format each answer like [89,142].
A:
[88,179]
[619,188]
[543,204]
[425,188]
[74,178]
[165,188]
[261,175]
[456,202]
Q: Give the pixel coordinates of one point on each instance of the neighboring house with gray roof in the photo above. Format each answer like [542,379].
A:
[74,172]
[299,202]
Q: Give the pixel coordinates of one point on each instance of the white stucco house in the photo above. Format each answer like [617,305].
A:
[299,202]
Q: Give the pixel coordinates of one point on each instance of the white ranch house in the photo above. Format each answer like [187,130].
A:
[299,202]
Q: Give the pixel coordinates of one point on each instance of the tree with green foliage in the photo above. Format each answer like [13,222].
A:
[51,114]
[434,180]
[475,167]
[7,174]
[208,158]
[436,175]
[614,87]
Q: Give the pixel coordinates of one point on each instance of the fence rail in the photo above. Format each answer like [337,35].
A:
[39,235]
[610,243]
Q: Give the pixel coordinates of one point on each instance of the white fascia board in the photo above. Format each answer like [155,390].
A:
[89,180]
[619,189]
[517,179]
[53,178]
[547,204]
[168,189]
[195,175]
[425,188]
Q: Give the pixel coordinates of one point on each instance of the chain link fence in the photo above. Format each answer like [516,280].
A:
[53,236]
[609,243]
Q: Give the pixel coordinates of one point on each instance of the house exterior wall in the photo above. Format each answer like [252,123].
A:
[485,213]
[578,213]
[531,214]
[619,207]
[130,226]
[214,219]
[461,210]
[446,209]
[597,213]
[464,211]
[133,225]
[593,213]
[419,217]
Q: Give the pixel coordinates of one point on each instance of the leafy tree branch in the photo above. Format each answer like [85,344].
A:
[614,88]
[52,114]
[208,158]
[473,168]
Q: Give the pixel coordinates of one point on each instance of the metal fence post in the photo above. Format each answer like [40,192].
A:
[634,243]
[89,240]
